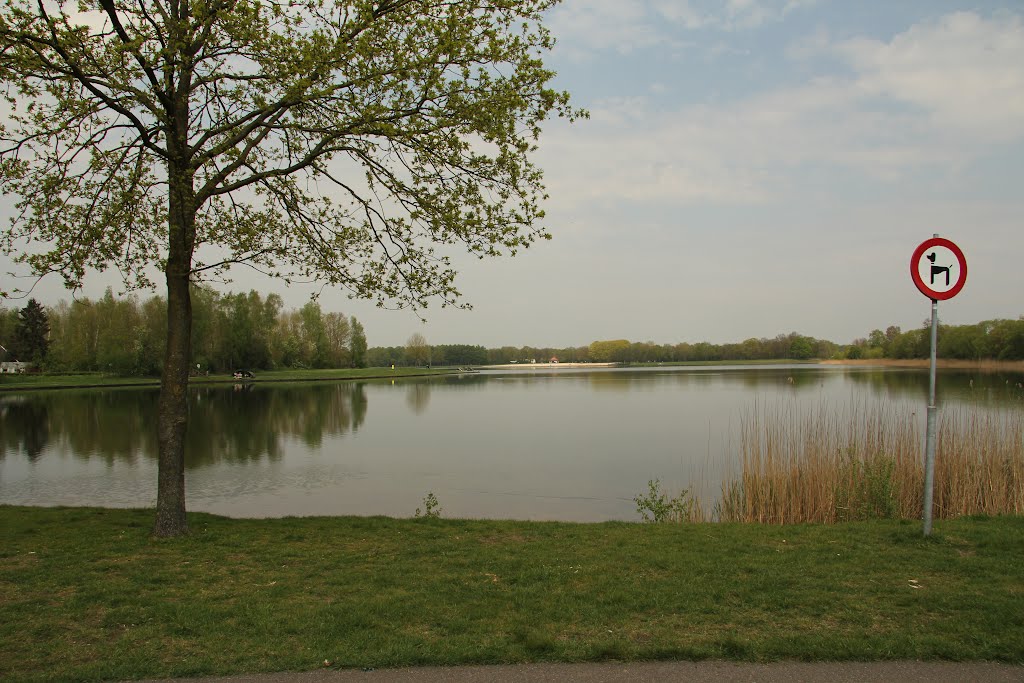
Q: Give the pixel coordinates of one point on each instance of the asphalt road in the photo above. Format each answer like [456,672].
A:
[712,672]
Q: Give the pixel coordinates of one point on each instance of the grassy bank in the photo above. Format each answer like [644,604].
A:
[97,379]
[85,594]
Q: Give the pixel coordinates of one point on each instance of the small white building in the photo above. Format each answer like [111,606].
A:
[13,367]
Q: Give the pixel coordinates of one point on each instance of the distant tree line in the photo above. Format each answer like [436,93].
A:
[990,339]
[230,331]
[418,352]
[792,345]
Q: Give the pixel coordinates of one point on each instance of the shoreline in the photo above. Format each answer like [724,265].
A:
[545,366]
[149,382]
[387,373]
[941,363]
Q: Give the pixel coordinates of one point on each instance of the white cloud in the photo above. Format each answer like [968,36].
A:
[794,5]
[583,26]
[746,14]
[681,13]
[935,96]
[587,26]
[751,14]
[963,72]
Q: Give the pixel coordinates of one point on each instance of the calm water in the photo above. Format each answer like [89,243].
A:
[563,444]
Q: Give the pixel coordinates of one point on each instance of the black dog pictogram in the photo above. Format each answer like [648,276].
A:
[938,270]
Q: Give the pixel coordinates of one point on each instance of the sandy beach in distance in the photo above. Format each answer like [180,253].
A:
[545,366]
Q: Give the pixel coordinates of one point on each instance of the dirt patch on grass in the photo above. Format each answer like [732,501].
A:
[19,561]
[503,539]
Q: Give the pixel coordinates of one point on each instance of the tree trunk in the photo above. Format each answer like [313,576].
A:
[172,421]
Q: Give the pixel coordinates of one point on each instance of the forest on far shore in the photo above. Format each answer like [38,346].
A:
[991,339]
[127,336]
[230,331]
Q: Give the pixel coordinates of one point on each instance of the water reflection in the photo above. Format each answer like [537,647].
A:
[889,382]
[646,378]
[418,396]
[249,422]
[564,444]
[953,385]
[25,427]
[234,424]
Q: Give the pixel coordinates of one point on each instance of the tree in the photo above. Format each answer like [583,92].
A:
[314,334]
[358,344]
[30,333]
[339,332]
[288,349]
[8,321]
[152,335]
[417,350]
[459,354]
[79,336]
[340,141]
[207,329]
[117,325]
[801,348]
[609,351]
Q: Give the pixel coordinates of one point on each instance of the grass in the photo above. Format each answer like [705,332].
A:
[98,379]
[56,381]
[829,466]
[86,594]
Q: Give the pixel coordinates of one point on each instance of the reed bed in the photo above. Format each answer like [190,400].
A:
[831,465]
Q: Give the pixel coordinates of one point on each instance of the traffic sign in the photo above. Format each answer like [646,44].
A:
[938,268]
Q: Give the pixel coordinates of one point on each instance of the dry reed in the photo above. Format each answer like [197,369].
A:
[830,465]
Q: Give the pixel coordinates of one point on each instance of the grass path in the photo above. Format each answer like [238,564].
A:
[86,594]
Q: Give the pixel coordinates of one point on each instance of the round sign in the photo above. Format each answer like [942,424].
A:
[938,268]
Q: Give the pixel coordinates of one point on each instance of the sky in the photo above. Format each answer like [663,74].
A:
[749,168]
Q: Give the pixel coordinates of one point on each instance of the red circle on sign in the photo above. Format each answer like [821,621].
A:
[915,270]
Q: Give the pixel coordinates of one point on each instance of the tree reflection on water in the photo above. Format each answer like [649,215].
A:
[561,444]
[238,423]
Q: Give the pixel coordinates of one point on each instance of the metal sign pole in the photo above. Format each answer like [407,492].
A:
[939,271]
[929,449]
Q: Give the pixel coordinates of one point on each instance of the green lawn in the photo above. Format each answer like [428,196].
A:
[98,379]
[86,594]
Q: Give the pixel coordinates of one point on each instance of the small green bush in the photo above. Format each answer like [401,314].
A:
[867,489]
[431,508]
[658,507]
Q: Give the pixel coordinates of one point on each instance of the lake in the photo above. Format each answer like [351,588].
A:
[565,444]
